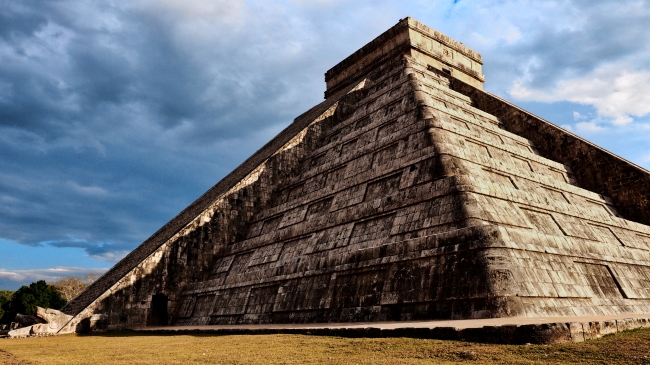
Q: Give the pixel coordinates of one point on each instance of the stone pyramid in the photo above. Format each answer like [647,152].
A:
[409,193]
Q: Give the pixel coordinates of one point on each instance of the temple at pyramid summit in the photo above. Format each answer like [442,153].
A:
[409,193]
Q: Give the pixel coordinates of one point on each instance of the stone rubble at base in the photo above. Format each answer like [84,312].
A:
[47,322]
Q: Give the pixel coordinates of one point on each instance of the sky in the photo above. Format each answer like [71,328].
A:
[116,115]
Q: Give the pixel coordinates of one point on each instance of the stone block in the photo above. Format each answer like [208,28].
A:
[576,332]
[445,333]
[20,332]
[43,328]
[626,324]
[608,327]
[546,333]
[24,320]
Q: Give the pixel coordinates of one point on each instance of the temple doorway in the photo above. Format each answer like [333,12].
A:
[159,310]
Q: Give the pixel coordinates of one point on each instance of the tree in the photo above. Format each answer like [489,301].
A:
[71,286]
[27,298]
[5,297]
[91,278]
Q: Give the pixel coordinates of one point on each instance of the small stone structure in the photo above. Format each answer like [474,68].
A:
[46,322]
[409,193]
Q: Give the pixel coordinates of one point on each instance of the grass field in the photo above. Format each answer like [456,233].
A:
[632,347]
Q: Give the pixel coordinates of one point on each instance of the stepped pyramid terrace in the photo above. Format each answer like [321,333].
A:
[408,194]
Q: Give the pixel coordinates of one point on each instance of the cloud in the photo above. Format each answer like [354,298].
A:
[116,116]
[558,40]
[575,51]
[578,116]
[13,279]
[50,274]
[615,93]
[589,127]
[103,251]
[94,191]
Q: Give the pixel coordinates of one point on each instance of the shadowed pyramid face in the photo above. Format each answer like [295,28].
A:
[402,196]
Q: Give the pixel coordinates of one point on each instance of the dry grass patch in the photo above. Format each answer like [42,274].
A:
[124,347]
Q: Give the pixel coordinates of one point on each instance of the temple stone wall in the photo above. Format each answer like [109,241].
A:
[566,244]
[374,181]
[596,169]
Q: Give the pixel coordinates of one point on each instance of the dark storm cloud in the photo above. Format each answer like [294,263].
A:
[115,117]
[19,18]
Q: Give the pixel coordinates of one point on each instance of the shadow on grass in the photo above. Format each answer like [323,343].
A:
[134,333]
[643,332]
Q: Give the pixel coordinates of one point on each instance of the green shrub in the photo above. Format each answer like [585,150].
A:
[27,298]
[5,297]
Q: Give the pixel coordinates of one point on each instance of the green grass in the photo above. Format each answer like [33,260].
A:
[124,347]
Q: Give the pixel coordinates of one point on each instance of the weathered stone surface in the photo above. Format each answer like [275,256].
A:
[42,328]
[96,323]
[20,332]
[626,324]
[576,332]
[409,193]
[415,39]
[46,322]
[54,318]
[54,321]
[24,320]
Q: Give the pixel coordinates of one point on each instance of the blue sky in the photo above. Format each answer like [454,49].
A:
[114,116]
